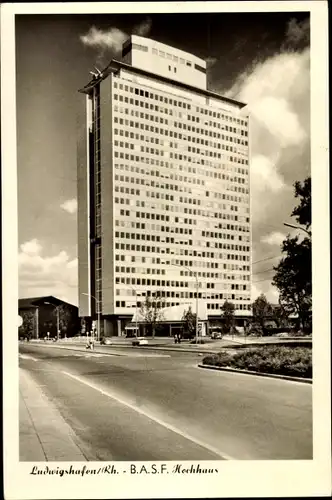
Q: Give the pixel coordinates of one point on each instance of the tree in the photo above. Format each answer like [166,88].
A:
[293,273]
[69,323]
[293,279]
[151,311]
[228,310]
[29,323]
[261,312]
[302,212]
[65,317]
[189,322]
[280,316]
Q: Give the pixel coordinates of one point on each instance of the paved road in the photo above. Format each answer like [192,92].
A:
[158,406]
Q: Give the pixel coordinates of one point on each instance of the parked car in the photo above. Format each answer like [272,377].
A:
[140,341]
[216,334]
[105,341]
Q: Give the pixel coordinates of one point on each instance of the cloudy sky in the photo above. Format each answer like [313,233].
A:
[262,59]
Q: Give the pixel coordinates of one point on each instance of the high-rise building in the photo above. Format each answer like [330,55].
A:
[163,187]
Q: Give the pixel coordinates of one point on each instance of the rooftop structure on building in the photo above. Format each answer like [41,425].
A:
[163,188]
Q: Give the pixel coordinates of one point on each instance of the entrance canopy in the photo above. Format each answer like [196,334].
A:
[175,313]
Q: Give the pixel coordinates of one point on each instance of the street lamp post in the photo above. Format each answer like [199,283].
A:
[196,278]
[297,227]
[57,318]
[98,314]
[135,310]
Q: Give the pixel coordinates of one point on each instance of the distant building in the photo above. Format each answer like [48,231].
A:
[163,188]
[46,314]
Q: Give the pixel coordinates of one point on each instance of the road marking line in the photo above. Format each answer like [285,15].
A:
[151,417]
[26,356]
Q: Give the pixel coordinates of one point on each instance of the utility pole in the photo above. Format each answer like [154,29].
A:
[57,323]
[196,277]
[98,313]
[37,323]
[57,318]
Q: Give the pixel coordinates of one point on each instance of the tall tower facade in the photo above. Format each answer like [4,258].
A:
[163,188]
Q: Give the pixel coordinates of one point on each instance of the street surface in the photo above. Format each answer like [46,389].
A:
[136,405]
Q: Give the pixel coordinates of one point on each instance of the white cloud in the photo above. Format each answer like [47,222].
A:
[31,248]
[277,93]
[275,238]
[264,176]
[112,38]
[276,115]
[46,275]
[70,206]
[270,292]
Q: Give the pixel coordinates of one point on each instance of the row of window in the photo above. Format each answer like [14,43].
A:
[174,58]
[142,126]
[175,187]
[180,115]
[158,239]
[132,258]
[179,178]
[185,252]
[177,103]
[181,124]
[182,220]
[183,168]
[165,154]
[241,307]
[190,284]
[223,207]
[204,223]
[144,181]
[175,284]
[178,136]
[129,292]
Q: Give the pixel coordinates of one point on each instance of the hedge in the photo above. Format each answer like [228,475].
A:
[294,361]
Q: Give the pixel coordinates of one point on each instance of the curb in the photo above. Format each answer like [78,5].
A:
[174,349]
[143,348]
[82,350]
[258,374]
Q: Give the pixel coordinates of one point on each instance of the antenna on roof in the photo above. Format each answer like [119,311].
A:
[98,71]
[96,75]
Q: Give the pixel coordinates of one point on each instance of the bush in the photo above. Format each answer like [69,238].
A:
[220,359]
[294,361]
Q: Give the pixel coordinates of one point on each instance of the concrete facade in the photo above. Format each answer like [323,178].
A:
[169,196]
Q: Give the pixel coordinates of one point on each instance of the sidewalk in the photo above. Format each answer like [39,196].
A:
[44,434]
